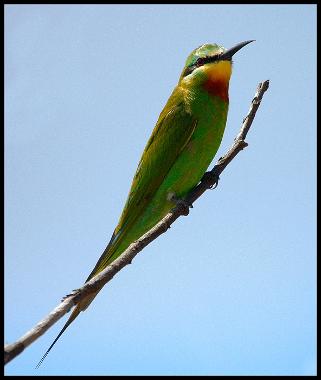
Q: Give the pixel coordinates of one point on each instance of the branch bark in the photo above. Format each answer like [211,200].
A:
[209,180]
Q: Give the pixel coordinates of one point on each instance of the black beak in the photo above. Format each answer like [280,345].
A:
[230,52]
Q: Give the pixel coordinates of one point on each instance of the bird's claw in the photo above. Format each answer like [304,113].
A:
[210,177]
[74,292]
[183,204]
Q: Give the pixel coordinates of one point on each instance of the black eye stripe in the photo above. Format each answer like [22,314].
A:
[200,62]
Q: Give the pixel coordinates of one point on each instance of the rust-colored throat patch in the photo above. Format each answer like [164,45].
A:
[218,77]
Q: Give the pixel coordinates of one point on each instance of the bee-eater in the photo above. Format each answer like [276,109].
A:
[183,143]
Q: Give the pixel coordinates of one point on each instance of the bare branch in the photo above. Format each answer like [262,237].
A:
[209,180]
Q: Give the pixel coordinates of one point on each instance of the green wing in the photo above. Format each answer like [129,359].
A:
[172,132]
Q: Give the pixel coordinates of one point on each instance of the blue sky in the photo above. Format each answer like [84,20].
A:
[228,290]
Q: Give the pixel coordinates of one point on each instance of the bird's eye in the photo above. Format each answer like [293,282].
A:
[200,61]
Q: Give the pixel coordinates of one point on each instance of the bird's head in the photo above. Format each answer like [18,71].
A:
[210,66]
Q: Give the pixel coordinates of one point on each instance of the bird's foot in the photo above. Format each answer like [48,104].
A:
[73,293]
[210,177]
[182,203]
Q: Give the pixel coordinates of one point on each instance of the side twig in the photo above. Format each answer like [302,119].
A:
[209,180]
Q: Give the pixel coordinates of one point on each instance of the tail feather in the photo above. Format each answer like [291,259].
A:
[82,305]
[73,316]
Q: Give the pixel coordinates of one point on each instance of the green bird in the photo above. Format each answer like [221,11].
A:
[183,143]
